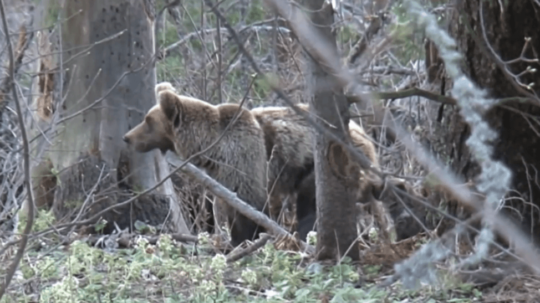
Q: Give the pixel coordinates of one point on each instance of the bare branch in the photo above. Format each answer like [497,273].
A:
[239,255]
[220,65]
[416,92]
[200,33]
[26,156]
[488,50]
[389,70]
[359,48]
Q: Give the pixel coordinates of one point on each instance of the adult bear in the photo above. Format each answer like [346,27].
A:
[236,157]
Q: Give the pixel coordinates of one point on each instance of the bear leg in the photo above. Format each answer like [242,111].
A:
[243,229]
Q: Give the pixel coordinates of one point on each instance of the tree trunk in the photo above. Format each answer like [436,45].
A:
[336,203]
[519,143]
[107,88]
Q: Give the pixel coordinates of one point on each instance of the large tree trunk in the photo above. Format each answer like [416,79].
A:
[519,143]
[107,88]
[336,203]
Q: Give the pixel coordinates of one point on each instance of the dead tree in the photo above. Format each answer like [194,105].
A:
[95,89]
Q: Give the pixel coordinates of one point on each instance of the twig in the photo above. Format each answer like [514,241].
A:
[203,43]
[167,6]
[359,48]
[385,70]
[417,92]
[513,79]
[245,252]
[26,156]
[220,54]
[165,51]
[88,197]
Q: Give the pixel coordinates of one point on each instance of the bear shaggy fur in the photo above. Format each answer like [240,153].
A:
[289,147]
[187,126]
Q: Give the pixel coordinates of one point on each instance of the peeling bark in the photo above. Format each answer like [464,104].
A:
[107,87]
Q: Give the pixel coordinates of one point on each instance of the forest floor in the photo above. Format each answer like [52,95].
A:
[170,271]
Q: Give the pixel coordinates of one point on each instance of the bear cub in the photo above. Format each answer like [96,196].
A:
[289,149]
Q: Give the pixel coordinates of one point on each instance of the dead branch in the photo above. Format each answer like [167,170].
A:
[245,252]
[26,156]
[169,5]
[385,70]
[360,47]
[201,36]
[415,91]
[252,27]
[220,64]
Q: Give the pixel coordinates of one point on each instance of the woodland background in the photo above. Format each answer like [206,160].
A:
[116,52]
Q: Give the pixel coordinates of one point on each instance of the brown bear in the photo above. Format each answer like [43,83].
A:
[237,158]
[289,146]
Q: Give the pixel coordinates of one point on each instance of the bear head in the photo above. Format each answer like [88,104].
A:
[157,130]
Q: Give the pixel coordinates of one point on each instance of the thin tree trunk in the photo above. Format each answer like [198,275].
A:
[336,203]
[107,88]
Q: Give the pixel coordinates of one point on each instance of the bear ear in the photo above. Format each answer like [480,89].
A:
[164,86]
[170,105]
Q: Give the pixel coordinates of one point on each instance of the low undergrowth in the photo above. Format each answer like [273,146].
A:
[176,272]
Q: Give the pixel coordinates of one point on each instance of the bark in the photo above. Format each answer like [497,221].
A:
[107,87]
[336,203]
[518,145]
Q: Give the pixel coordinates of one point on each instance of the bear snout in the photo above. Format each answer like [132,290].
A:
[126,139]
